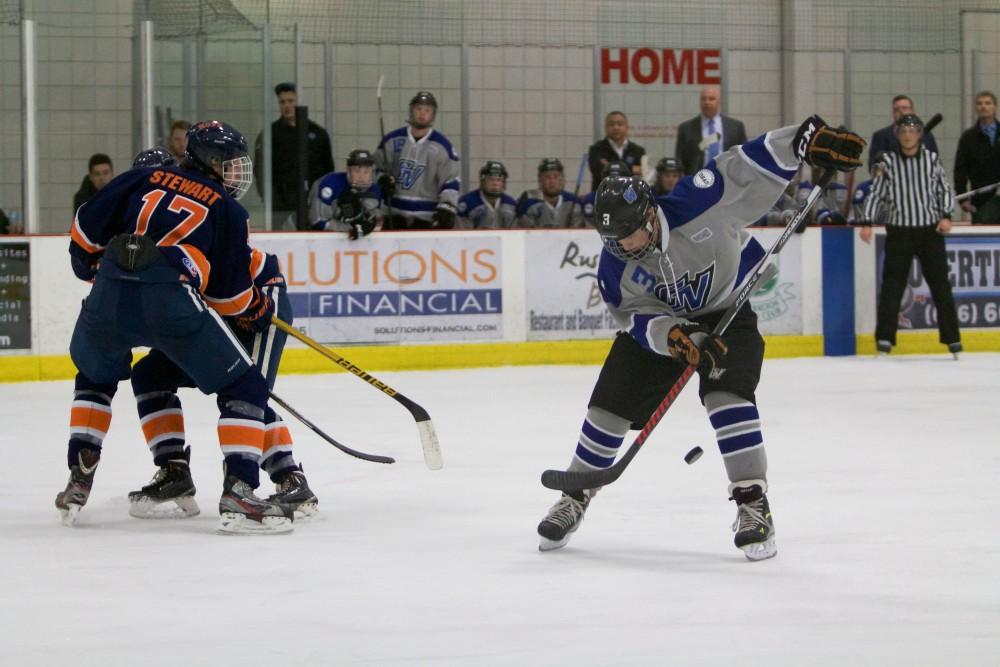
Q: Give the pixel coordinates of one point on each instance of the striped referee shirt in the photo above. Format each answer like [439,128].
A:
[912,190]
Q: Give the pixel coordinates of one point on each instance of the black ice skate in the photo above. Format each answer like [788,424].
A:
[753,526]
[293,493]
[242,512]
[563,519]
[169,495]
[955,349]
[81,480]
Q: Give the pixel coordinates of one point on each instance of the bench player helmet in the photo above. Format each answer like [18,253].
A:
[360,169]
[220,150]
[669,164]
[550,164]
[425,98]
[622,206]
[492,168]
[616,169]
[157,156]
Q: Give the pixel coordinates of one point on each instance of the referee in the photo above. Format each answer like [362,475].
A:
[913,190]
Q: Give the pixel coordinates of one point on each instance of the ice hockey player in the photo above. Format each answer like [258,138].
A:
[550,205]
[668,172]
[418,171]
[158,156]
[669,269]
[348,201]
[489,206]
[174,256]
[614,169]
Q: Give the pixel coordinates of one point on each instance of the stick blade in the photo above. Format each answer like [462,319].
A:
[564,480]
[430,444]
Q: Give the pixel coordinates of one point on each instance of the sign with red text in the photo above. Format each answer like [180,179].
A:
[393,288]
[660,67]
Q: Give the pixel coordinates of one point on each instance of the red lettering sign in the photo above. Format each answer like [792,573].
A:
[646,66]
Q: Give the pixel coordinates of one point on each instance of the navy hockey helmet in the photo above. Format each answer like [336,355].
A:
[360,169]
[220,150]
[425,98]
[621,207]
[669,164]
[616,169]
[359,157]
[909,120]
[550,164]
[158,156]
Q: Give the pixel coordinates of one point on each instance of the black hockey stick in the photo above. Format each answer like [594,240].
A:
[933,122]
[428,436]
[564,480]
[375,458]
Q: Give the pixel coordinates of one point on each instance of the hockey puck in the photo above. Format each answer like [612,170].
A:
[693,455]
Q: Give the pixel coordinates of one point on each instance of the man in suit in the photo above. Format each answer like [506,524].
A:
[885,141]
[708,134]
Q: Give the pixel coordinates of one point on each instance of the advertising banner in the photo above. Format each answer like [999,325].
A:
[393,289]
[15,296]
[564,302]
[974,273]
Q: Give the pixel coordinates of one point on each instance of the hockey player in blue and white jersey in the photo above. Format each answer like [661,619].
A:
[489,206]
[550,205]
[615,169]
[348,201]
[418,171]
[669,269]
[829,209]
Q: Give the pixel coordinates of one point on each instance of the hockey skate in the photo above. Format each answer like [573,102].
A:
[81,480]
[955,349]
[562,520]
[243,513]
[753,526]
[169,495]
[293,493]
[882,348]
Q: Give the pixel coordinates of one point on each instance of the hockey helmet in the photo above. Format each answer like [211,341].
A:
[621,207]
[909,120]
[359,157]
[360,168]
[550,164]
[220,150]
[423,98]
[157,156]
[668,164]
[493,169]
[616,169]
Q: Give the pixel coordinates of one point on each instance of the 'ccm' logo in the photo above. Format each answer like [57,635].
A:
[804,142]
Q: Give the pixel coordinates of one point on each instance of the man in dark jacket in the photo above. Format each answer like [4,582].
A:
[614,147]
[100,171]
[885,141]
[705,136]
[977,161]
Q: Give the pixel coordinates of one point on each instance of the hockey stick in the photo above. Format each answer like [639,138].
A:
[428,436]
[375,458]
[933,122]
[564,480]
[378,94]
[576,190]
[971,193]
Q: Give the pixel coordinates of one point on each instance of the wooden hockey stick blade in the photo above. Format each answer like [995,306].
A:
[374,458]
[428,436]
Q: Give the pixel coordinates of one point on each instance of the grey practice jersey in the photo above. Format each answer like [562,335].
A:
[476,212]
[324,211]
[709,253]
[426,172]
[534,212]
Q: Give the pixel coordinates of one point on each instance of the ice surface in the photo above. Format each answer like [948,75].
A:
[884,483]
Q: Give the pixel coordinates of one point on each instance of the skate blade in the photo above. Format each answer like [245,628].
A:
[176,508]
[308,513]
[545,544]
[70,514]
[761,550]
[231,523]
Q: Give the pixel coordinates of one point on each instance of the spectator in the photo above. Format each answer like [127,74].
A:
[614,169]
[703,137]
[177,143]
[615,146]
[885,141]
[419,171]
[319,159]
[350,201]
[977,162]
[550,205]
[919,198]
[668,172]
[100,171]
[489,207]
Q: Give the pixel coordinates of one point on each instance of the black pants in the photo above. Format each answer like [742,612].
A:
[902,244]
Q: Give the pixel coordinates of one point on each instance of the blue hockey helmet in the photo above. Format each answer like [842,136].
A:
[158,156]
[220,150]
[622,207]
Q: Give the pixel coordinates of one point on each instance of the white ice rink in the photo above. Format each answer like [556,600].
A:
[885,478]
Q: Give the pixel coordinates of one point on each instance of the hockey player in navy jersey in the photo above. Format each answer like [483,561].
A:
[168,252]
[489,206]
[668,171]
[615,169]
[348,201]
[550,205]
[419,171]
[669,269]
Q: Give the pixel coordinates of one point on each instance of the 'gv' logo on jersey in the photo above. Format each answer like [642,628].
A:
[687,294]
[409,173]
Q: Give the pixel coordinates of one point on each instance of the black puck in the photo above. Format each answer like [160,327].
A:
[693,455]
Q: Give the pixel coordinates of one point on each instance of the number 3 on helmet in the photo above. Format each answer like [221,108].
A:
[220,150]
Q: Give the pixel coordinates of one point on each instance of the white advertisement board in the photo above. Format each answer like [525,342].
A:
[393,288]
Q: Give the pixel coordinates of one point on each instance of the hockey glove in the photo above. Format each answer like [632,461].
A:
[820,145]
[84,263]
[443,218]
[695,345]
[257,316]
[387,184]
[363,226]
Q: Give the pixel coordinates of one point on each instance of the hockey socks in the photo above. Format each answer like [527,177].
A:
[600,438]
[277,455]
[90,417]
[162,422]
[737,430]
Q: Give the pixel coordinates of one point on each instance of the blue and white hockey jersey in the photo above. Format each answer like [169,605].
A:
[426,172]
[476,212]
[324,213]
[534,212]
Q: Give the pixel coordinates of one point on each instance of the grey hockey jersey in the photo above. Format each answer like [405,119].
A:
[426,172]
[476,212]
[709,255]
[534,212]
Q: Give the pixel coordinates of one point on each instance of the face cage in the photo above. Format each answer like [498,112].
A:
[237,175]
[499,190]
[615,247]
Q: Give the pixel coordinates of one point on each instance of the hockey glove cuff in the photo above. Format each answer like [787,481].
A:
[257,316]
[443,218]
[387,184]
[695,345]
[363,226]
[84,263]
[820,145]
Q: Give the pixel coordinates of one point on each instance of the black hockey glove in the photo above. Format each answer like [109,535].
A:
[84,263]
[387,184]
[443,218]
[820,145]
[363,226]
[257,316]
[696,345]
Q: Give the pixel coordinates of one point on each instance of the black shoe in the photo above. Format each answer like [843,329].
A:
[955,348]
[293,492]
[883,347]
[241,511]
[562,520]
[753,526]
[170,494]
[81,481]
